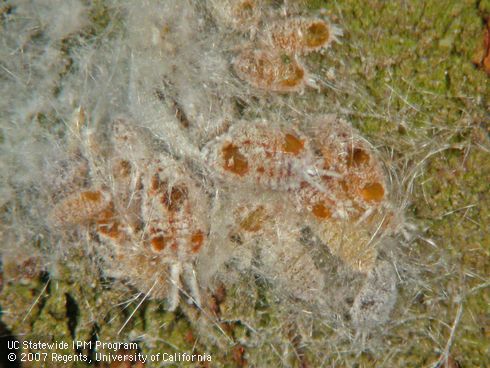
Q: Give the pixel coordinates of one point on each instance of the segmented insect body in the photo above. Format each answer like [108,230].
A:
[350,171]
[80,207]
[175,220]
[270,70]
[272,64]
[351,210]
[260,154]
[172,230]
[153,217]
[299,35]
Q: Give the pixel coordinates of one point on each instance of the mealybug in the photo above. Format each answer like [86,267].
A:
[299,35]
[270,70]
[261,154]
[151,216]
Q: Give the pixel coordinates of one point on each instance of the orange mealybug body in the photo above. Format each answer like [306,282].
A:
[80,207]
[299,35]
[355,185]
[270,70]
[350,205]
[261,154]
[171,208]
